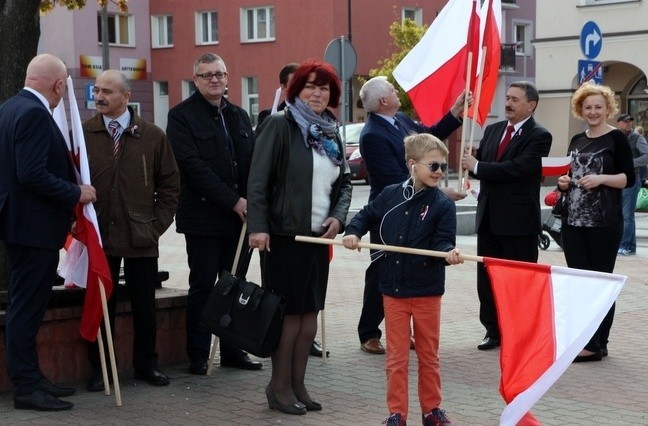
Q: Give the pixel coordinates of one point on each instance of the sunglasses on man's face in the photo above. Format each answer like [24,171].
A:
[434,166]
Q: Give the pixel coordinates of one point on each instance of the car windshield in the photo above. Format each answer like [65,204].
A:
[352,130]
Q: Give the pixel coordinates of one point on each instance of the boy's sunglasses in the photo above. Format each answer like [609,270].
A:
[434,166]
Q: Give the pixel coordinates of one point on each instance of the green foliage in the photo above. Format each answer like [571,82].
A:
[405,35]
[46,6]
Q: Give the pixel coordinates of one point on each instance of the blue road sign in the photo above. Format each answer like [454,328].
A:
[591,40]
[590,70]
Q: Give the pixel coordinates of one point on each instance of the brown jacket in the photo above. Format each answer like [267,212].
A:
[137,193]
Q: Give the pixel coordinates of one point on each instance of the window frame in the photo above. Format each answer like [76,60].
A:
[167,29]
[117,29]
[418,14]
[526,44]
[248,27]
[200,41]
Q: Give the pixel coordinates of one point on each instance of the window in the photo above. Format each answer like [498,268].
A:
[599,2]
[522,38]
[207,27]
[121,29]
[162,31]
[188,88]
[258,24]
[413,14]
[250,97]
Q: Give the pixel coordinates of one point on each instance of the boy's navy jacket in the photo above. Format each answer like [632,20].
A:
[427,221]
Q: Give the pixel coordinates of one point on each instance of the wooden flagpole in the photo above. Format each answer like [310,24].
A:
[111,349]
[475,114]
[239,247]
[462,186]
[102,358]
[385,247]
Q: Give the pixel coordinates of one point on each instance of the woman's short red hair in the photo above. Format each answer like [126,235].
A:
[324,74]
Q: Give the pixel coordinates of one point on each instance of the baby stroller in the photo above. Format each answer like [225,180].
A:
[551,226]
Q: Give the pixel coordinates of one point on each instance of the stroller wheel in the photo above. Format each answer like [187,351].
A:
[543,241]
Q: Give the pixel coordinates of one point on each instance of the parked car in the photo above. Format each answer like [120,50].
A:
[350,133]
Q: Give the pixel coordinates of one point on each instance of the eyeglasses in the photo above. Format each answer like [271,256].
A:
[209,75]
[434,166]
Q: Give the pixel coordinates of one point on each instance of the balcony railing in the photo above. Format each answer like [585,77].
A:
[507,61]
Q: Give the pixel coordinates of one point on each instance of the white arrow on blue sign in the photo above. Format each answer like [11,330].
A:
[591,40]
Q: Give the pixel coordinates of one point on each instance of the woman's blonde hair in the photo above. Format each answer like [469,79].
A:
[590,89]
[419,144]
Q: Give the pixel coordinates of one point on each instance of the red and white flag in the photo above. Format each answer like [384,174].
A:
[547,314]
[555,166]
[491,24]
[85,263]
[433,73]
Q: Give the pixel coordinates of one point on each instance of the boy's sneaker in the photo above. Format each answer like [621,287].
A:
[395,420]
[626,252]
[436,417]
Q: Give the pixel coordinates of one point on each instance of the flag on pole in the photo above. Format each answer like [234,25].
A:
[85,263]
[555,166]
[491,24]
[433,73]
[547,314]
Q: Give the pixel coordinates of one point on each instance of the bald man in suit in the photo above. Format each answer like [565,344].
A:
[38,192]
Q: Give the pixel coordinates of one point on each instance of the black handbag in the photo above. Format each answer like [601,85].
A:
[243,313]
[560,209]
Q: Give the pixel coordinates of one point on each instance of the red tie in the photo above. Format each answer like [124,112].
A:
[505,142]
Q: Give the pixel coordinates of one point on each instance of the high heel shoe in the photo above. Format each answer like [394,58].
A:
[294,408]
[594,356]
[312,405]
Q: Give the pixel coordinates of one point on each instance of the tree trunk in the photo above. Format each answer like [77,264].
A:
[19,32]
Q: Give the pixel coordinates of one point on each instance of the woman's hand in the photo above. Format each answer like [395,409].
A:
[332,226]
[563,182]
[259,240]
[454,257]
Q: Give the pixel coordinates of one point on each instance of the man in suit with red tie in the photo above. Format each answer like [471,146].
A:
[38,192]
[508,165]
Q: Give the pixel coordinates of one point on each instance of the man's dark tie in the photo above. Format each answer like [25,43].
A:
[505,142]
[115,134]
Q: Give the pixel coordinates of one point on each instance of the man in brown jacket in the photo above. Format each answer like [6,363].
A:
[134,171]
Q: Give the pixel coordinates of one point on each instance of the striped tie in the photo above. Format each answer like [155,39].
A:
[116,134]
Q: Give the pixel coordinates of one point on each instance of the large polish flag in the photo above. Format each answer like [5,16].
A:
[85,263]
[547,314]
[491,24]
[433,73]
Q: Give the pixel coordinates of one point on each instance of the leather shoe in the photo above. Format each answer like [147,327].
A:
[198,367]
[56,391]
[316,350]
[373,346]
[488,343]
[243,363]
[594,356]
[41,401]
[153,377]
[95,383]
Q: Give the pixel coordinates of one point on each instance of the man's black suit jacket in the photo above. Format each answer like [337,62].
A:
[38,189]
[510,187]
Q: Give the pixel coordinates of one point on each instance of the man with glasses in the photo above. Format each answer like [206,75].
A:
[383,151]
[213,141]
[508,165]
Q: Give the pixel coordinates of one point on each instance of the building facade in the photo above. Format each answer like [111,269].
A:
[619,51]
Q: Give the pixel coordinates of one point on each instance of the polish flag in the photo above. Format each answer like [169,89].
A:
[85,263]
[491,24]
[433,73]
[547,314]
[555,166]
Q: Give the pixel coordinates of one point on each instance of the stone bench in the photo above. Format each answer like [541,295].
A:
[62,352]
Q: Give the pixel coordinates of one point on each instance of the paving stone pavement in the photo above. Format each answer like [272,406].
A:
[351,384]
